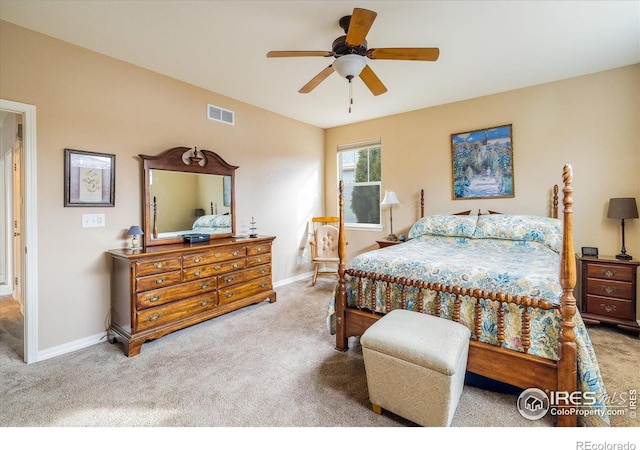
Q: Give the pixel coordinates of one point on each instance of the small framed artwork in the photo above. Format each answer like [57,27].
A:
[89,178]
[482,163]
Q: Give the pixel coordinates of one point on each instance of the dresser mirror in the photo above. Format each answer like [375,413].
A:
[187,192]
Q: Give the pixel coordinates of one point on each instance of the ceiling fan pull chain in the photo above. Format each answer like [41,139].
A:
[350,95]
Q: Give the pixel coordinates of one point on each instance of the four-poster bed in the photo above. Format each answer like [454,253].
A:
[513,289]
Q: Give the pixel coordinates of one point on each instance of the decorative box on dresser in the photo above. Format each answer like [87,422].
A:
[608,291]
[165,288]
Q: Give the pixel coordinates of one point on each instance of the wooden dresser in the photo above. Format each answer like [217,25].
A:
[161,289]
[608,291]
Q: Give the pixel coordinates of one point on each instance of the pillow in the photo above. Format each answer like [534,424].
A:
[444,225]
[213,221]
[544,230]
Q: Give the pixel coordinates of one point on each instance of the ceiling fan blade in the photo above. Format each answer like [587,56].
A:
[414,54]
[359,25]
[315,81]
[372,81]
[278,54]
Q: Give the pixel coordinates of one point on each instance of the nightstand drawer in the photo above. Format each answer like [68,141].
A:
[607,306]
[610,272]
[609,288]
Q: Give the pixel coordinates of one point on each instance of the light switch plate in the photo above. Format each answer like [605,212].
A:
[93,220]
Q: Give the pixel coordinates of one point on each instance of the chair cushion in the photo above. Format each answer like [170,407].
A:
[327,242]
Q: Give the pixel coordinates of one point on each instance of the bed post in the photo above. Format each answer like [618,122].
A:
[567,354]
[341,299]
[554,204]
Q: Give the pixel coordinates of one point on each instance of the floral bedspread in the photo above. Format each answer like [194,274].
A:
[470,259]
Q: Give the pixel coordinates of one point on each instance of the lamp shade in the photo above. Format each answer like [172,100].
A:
[349,66]
[390,198]
[623,208]
[135,230]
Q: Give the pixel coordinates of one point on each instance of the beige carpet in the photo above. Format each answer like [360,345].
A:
[267,365]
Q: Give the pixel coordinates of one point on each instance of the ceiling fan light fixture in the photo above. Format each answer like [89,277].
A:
[349,66]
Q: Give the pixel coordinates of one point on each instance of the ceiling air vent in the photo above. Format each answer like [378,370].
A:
[220,114]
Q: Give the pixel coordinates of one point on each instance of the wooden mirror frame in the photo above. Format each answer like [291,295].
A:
[176,159]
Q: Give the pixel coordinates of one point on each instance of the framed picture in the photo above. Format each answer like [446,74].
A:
[89,178]
[482,162]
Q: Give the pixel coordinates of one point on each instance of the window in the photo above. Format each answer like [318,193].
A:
[359,167]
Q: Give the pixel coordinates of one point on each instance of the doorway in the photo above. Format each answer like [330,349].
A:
[19,214]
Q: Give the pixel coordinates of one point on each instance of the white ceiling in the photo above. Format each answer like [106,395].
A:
[485,46]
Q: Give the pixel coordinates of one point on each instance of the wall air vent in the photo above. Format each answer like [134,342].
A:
[220,114]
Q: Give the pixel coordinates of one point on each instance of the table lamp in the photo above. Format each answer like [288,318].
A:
[135,232]
[623,208]
[390,200]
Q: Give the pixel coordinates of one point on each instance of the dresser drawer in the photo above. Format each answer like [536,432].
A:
[609,288]
[258,260]
[193,273]
[158,266]
[160,315]
[213,256]
[258,249]
[158,280]
[239,291]
[161,296]
[612,307]
[243,275]
[610,272]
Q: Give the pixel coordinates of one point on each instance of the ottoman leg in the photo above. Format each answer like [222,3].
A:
[376,408]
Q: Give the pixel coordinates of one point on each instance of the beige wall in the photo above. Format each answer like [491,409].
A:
[591,122]
[91,102]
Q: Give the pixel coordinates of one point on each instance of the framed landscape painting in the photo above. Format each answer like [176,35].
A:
[482,162]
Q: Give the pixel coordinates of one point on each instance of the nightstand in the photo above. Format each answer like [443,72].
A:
[382,243]
[608,294]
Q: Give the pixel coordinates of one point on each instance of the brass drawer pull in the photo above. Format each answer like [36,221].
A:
[160,280]
[229,294]
[259,260]
[263,271]
[609,289]
[205,285]
[236,265]
[159,265]
[153,317]
[263,284]
[235,253]
[205,302]
[608,308]
[197,259]
[229,279]
[217,255]
[197,273]
[609,273]
[154,298]
[218,267]
[259,249]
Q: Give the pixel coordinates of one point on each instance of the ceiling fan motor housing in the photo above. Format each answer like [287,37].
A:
[340,47]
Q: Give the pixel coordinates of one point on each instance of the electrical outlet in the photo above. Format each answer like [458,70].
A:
[93,220]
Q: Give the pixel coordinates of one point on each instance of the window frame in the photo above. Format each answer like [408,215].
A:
[368,145]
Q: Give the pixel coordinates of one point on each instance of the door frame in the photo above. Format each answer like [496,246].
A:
[30,234]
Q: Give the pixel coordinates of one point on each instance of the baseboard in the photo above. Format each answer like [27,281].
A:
[292,279]
[71,346]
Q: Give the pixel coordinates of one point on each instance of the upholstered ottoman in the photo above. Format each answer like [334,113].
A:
[415,366]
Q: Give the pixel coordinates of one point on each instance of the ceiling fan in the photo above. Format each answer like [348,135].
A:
[351,50]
